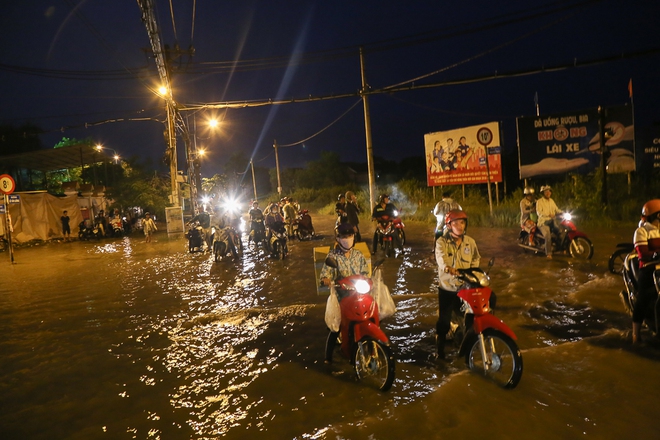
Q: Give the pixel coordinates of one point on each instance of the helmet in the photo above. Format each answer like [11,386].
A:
[340,196]
[344,230]
[651,207]
[455,214]
[528,191]
[545,188]
[383,197]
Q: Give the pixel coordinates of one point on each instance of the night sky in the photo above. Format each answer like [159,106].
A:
[67,66]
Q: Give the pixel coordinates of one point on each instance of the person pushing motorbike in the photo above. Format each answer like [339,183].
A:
[350,261]
[528,212]
[547,211]
[647,245]
[453,250]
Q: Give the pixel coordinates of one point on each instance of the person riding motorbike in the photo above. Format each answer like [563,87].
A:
[383,208]
[440,211]
[647,245]
[256,218]
[290,215]
[453,250]
[350,261]
[547,211]
[528,211]
[340,210]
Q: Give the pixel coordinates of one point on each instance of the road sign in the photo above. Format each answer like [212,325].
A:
[15,198]
[2,209]
[484,136]
[7,184]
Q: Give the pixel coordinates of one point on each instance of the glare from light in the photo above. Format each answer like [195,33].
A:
[567,216]
[362,286]
[213,123]
[205,200]
[201,151]
[99,147]
[162,90]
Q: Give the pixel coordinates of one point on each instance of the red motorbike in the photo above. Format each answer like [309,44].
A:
[487,343]
[399,226]
[568,238]
[389,234]
[362,340]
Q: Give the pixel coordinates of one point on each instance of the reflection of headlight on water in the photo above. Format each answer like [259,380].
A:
[243,225]
[362,286]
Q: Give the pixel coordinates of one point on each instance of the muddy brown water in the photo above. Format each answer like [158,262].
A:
[122,339]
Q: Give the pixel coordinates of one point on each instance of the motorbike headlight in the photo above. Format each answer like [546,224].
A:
[362,286]
[567,216]
[396,213]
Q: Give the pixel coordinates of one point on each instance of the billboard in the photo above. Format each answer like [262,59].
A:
[570,142]
[458,156]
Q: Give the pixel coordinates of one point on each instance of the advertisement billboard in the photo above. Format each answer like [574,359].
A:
[458,156]
[570,142]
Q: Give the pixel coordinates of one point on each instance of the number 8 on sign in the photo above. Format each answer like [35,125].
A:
[7,184]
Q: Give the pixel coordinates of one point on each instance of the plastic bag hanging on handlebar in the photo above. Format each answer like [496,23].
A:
[381,294]
[332,311]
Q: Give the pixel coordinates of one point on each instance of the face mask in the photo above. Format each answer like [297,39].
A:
[346,243]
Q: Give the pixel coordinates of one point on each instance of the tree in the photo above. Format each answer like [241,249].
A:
[138,186]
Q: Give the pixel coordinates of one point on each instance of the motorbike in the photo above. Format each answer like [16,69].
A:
[88,232]
[569,239]
[388,235]
[485,341]
[399,226]
[618,257]
[630,275]
[257,232]
[303,227]
[362,340]
[226,241]
[195,236]
[278,241]
[117,227]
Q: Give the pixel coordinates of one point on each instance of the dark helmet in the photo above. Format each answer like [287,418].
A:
[456,214]
[344,230]
[383,197]
[339,197]
[528,191]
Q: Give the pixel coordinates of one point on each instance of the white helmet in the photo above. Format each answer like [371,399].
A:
[545,188]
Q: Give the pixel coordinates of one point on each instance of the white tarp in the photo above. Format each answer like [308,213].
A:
[37,216]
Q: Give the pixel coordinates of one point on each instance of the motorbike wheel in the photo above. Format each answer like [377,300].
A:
[219,251]
[374,363]
[615,263]
[238,244]
[503,363]
[282,252]
[581,248]
[402,238]
[389,248]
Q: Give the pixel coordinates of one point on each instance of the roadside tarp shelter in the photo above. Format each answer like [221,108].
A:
[37,216]
[53,159]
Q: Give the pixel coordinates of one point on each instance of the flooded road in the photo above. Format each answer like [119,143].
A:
[123,339]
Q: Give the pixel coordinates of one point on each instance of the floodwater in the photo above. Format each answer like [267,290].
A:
[122,339]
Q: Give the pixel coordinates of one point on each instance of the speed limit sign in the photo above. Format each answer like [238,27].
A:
[7,184]
[484,136]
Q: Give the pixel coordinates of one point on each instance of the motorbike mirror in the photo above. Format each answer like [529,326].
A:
[331,261]
[491,262]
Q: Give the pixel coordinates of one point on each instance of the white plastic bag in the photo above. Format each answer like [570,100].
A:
[332,311]
[381,294]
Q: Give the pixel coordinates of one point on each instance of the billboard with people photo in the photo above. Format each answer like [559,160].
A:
[459,156]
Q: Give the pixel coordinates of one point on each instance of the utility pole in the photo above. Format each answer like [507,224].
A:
[603,154]
[367,128]
[254,182]
[277,166]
